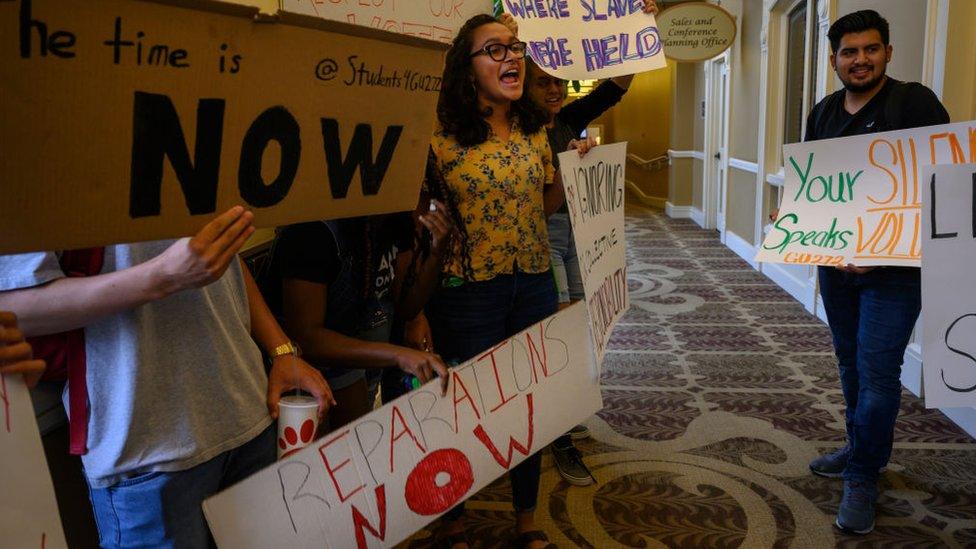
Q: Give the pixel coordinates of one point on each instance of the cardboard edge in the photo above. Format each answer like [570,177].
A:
[215,6]
[360,31]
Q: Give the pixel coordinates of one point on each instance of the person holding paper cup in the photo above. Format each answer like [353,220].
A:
[871,310]
[493,171]
[335,284]
[180,403]
[565,127]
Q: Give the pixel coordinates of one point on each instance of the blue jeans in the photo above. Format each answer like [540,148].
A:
[871,319]
[164,509]
[565,264]
[470,318]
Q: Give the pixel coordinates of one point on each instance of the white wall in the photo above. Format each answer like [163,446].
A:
[907,26]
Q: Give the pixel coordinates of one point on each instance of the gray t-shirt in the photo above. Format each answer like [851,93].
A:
[172,383]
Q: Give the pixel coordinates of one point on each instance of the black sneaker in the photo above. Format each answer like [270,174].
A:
[831,465]
[570,465]
[856,512]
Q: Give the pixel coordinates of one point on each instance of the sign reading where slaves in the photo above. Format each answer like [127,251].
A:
[949,320]
[857,199]
[28,511]
[586,39]
[376,481]
[594,188]
[121,126]
[432,19]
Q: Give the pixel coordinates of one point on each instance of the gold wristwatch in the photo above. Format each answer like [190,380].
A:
[287,348]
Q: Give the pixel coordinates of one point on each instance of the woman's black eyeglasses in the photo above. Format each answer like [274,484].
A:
[497,51]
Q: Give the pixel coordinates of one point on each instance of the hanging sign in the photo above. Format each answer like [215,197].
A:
[695,31]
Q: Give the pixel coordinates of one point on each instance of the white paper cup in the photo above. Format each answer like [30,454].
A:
[298,418]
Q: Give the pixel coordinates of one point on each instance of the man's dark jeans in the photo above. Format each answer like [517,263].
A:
[471,318]
[871,319]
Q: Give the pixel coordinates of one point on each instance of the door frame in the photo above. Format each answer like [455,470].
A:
[716,134]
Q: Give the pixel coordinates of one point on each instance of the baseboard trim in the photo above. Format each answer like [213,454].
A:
[697,216]
[677,212]
[741,248]
[911,370]
[794,286]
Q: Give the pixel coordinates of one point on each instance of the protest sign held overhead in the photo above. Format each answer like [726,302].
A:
[695,31]
[857,200]
[949,320]
[28,511]
[588,39]
[381,478]
[121,126]
[594,187]
[431,19]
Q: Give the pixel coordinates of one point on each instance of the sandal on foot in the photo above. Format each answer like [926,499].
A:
[525,538]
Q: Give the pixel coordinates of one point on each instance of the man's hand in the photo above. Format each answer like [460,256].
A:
[16,356]
[423,365]
[582,146]
[440,225]
[289,372]
[650,6]
[203,259]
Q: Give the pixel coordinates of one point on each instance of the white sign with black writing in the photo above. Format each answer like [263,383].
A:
[595,197]
[948,291]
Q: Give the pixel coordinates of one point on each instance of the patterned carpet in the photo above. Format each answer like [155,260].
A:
[719,389]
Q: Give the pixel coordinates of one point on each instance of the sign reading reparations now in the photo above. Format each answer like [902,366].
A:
[120,125]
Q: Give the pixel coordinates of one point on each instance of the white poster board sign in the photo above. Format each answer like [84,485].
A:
[858,199]
[431,19]
[28,510]
[948,290]
[378,480]
[586,39]
[595,189]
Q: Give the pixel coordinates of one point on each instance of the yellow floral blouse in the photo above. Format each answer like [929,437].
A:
[498,188]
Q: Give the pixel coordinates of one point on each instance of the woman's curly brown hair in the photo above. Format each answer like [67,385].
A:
[457,106]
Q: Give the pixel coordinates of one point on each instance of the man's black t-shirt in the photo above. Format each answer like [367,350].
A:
[912,106]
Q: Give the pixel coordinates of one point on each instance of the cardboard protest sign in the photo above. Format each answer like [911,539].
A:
[119,125]
[376,481]
[858,199]
[587,39]
[28,511]
[431,19]
[948,296]
[594,188]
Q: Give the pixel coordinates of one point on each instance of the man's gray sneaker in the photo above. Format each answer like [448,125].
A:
[831,465]
[856,512]
[579,432]
[570,465]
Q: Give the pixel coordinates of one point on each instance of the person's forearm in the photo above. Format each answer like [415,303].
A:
[264,327]
[411,300]
[554,196]
[323,347]
[69,303]
[623,82]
